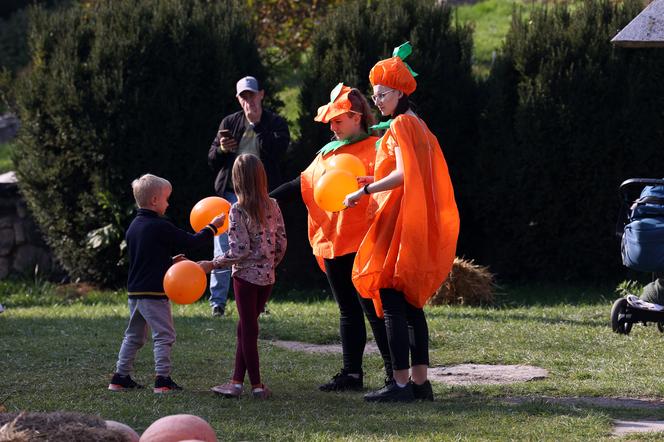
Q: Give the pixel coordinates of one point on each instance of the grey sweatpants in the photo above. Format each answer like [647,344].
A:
[144,313]
[654,292]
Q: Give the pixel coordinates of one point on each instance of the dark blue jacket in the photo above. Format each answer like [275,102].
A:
[152,241]
[273,139]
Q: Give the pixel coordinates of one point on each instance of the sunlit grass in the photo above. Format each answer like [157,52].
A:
[59,351]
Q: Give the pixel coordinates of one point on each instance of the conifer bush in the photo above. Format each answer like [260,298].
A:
[116,89]
[566,118]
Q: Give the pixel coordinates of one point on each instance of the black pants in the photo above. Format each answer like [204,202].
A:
[406,330]
[352,308]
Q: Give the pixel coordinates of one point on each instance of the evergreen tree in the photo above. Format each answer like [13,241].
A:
[116,89]
[567,118]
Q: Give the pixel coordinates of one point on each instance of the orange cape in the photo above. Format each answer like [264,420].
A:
[334,234]
[411,243]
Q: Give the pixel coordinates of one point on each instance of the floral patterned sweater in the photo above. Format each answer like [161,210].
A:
[254,251]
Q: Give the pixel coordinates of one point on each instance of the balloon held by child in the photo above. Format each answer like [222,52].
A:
[185,282]
[205,210]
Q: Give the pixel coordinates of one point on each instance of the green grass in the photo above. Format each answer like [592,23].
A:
[491,20]
[5,159]
[58,354]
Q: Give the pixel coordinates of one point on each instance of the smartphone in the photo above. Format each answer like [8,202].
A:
[225,133]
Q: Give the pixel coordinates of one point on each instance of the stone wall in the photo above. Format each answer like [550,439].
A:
[9,125]
[22,248]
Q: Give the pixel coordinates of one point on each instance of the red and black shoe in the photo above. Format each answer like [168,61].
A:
[164,384]
[123,383]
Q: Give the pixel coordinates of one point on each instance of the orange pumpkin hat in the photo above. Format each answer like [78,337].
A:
[394,73]
[339,104]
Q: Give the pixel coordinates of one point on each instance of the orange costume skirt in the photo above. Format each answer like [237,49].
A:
[411,243]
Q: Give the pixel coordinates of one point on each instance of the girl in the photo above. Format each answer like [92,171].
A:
[257,241]
[409,248]
[335,237]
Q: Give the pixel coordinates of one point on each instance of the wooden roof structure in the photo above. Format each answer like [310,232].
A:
[646,30]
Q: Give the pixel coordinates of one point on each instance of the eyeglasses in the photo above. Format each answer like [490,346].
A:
[381,96]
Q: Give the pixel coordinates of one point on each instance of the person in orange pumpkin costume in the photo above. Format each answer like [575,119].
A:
[335,236]
[409,248]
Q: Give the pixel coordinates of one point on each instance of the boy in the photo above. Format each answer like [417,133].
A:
[151,241]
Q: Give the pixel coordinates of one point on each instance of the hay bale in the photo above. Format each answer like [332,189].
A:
[58,426]
[10,433]
[467,284]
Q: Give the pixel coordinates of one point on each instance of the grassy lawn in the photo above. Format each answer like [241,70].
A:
[5,160]
[58,355]
[491,20]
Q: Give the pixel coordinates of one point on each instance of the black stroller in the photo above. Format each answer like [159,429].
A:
[641,229]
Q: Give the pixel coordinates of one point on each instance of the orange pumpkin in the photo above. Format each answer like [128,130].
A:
[179,427]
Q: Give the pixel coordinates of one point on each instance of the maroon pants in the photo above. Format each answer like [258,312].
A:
[250,300]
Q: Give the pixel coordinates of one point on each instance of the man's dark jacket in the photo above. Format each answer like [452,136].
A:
[273,138]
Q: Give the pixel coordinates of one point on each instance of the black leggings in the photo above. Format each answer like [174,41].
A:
[352,309]
[406,330]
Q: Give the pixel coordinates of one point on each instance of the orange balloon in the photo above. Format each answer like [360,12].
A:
[185,282]
[331,189]
[206,209]
[348,162]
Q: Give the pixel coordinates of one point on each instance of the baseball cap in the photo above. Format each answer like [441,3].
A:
[246,84]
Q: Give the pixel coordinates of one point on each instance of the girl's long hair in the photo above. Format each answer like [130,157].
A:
[250,185]
[402,106]
[360,105]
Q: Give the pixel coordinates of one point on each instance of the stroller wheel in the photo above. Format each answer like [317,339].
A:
[619,322]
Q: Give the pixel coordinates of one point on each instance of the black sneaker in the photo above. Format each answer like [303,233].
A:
[218,310]
[422,392]
[123,383]
[391,393]
[164,384]
[342,381]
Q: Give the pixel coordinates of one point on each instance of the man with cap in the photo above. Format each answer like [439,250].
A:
[252,130]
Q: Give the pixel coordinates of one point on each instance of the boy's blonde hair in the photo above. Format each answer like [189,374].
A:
[146,187]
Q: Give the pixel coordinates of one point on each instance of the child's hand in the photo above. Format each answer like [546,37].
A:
[178,258]
[207,266]
[364,180]
[219,220]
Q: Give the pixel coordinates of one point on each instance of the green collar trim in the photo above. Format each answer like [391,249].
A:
[383,125]
[336,144]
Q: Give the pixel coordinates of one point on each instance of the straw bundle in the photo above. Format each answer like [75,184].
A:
[468,284]
[56,426]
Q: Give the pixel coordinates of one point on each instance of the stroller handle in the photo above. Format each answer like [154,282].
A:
[633,182]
